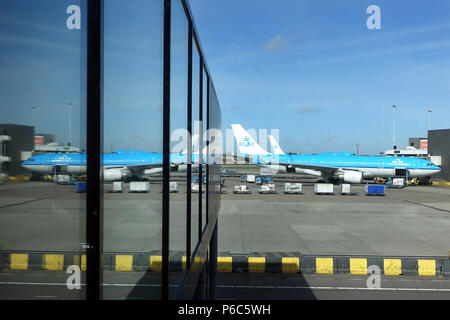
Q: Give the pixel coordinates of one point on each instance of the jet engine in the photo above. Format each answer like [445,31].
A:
[351,177]
[153,171]
[113,175]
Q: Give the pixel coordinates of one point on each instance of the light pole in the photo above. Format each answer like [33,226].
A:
[429,119]
[393,135]
[33,108]
[70,125]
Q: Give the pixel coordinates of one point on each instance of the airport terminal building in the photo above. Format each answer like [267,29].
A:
[439,152]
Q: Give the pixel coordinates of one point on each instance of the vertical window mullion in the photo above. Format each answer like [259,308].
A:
[94,197]
[200,151]
[166,152]
[189,152]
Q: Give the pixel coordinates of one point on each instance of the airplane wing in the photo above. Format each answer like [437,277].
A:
[139,169]
[325,171]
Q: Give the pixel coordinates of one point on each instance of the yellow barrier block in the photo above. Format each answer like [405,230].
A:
[19,261]
[183,262]
[290,265]
[358,266]
[426,267]
[324,265]
[224,264]
[83,262]
[155,263]
[440,183]
[392,267]
[124,262]
[257,264]
[19,178]
[53,262]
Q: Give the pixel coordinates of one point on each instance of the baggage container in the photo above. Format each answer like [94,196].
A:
[243,178]
[346,188]
[63,179]
[195,187]
[173,187]
[323,188]
[269,188]
[292,188]
[251,179]
[117,186]
[259,180]
[268,180]
[81,187]
[241,189]
[139,186]
[375,189]
[399,183]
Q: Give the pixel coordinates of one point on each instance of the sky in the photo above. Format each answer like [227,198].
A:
[311,69]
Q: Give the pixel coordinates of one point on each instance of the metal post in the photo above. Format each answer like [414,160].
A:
[200,152]
[189,151]
[429,119]
[393,135]
[94,197]
[213,264]
[166,153]
[70,123]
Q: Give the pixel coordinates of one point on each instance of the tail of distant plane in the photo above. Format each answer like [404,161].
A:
[276,149]
[245,142]
[195,145]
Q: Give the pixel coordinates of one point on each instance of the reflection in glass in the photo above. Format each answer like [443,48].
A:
[133,131]
[178,128]
[42,142]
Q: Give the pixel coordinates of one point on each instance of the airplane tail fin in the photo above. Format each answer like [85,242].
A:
[195,145]
[245,142]
[276,149]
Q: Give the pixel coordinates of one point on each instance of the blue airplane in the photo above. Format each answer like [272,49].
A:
[333,167]
[117,165]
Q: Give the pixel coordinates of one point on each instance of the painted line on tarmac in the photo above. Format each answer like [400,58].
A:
[24,202]
[420,204]
[335,288]
[244,287]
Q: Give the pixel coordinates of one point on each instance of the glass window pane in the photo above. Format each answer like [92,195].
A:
[133,67]
[178,145]
[204,123]
[195,144]
[42,145]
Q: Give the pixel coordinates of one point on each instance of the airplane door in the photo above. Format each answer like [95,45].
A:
[61,169]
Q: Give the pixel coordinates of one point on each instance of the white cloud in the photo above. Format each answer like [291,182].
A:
[309,109]
[277,43]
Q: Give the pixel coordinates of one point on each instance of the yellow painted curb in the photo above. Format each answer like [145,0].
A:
[225,264]
[124,262]
[358,266]
[324,265]
[256,264]
[19,261]
[392,267]
[290,265]
[54,262]
[426,267]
